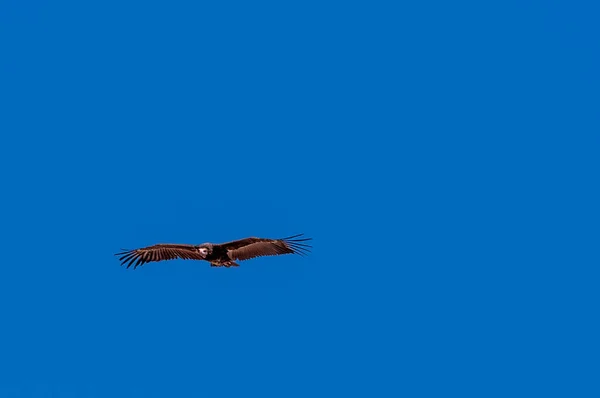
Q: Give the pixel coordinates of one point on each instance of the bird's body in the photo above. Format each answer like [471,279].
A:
[219,255]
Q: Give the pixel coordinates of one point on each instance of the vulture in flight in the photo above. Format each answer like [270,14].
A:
[219,255]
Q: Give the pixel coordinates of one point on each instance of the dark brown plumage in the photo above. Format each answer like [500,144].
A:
[219,255]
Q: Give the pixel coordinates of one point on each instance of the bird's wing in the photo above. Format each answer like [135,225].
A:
[245,249]
[160,252]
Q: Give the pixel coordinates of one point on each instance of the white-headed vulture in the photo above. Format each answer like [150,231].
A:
[219,255]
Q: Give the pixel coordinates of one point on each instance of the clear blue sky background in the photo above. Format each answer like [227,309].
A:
[443,156]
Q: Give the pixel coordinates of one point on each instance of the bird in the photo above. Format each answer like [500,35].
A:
[218,254]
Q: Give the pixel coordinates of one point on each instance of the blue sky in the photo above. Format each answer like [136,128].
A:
[443,156]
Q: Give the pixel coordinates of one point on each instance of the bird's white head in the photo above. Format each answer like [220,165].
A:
[204,250]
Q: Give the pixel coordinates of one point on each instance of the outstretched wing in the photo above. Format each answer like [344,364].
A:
[160,252]
[245,249]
